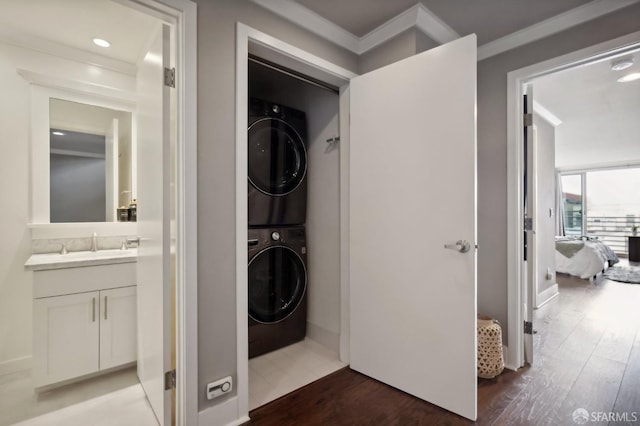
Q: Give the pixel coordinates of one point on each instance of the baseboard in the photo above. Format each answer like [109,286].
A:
[225,413]
[16,364]
[547,295]
[507,362]
[323,336]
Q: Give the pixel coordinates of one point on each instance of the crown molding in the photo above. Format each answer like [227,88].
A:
[311,21]
[547,115]
[38,44]
[388,30]
[553,25]
[420,17]
[416,16]
[431,24]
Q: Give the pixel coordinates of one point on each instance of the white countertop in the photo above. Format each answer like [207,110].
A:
[40,262]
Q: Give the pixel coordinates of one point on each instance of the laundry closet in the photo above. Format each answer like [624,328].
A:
[294,330]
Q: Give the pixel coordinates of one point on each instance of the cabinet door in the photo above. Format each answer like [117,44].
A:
[118,327]
[66,330]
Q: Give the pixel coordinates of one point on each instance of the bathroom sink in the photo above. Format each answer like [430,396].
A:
[44,261]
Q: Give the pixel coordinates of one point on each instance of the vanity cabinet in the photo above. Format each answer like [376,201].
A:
[77,333]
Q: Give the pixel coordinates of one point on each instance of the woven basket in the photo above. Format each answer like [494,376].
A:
[490,361]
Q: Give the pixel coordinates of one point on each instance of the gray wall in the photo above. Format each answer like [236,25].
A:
[424,42]
[401,46]
[546,183]
[492,144]
[405,44]
[216,170]
[78,192]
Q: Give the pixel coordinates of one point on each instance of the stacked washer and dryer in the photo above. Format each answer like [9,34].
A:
[277,198]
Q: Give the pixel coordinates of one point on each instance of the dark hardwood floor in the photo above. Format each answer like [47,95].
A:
[587,355]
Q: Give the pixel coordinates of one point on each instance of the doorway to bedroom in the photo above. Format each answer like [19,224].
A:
[578,155]
[586,171]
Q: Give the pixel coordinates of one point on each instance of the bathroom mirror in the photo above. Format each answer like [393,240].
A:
[89,162]
[76,129]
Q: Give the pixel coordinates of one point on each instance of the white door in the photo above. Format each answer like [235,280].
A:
[530,280]
[413,191]
[154,297]
[111,154]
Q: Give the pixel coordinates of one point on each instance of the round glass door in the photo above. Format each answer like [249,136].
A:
[277,157]
[277,282]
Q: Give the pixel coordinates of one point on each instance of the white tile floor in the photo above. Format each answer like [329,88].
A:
[114,399]
[277,373]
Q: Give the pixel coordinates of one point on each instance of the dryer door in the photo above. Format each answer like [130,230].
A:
[277,157]
[277,282]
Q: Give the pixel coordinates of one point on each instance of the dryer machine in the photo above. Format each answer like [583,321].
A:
[277,164]
[277,288]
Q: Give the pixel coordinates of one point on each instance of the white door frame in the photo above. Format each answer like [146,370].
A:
[182,15]
[516,81]
[283,53]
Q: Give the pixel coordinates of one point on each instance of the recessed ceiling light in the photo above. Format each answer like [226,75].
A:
[621,64]
[630,77]
[101,42]
[57,133]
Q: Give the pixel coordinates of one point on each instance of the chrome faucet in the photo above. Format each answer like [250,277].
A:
[94,242]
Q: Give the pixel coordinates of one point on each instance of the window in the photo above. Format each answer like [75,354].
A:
[572,197]
[602,203]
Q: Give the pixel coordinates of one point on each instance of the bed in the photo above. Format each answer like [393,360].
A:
[583,257]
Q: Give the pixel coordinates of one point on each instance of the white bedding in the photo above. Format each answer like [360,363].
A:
[588,261]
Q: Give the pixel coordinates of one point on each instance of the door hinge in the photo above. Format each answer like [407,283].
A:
[528,224]
[528,120]
[170,77]
[170,380]
[528,327]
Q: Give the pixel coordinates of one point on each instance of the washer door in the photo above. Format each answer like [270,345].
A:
[277,282]
[277,157]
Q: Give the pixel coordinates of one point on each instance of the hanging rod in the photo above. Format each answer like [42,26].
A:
[295,74]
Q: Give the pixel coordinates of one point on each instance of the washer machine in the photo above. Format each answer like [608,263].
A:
[277,288]
[277,164]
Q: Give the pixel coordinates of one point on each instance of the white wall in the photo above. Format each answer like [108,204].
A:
[15,283]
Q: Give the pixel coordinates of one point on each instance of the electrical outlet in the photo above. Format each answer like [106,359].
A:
[219,387]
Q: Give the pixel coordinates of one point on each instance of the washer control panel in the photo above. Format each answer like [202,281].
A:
[219,387]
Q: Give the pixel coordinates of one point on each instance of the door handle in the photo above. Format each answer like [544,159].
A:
[105,307]
[462,246]
[93,310]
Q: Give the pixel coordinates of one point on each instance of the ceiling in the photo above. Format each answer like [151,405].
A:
[74,23]
[599,115]
[489,19]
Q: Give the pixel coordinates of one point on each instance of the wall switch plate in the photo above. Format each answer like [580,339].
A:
[219,387]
